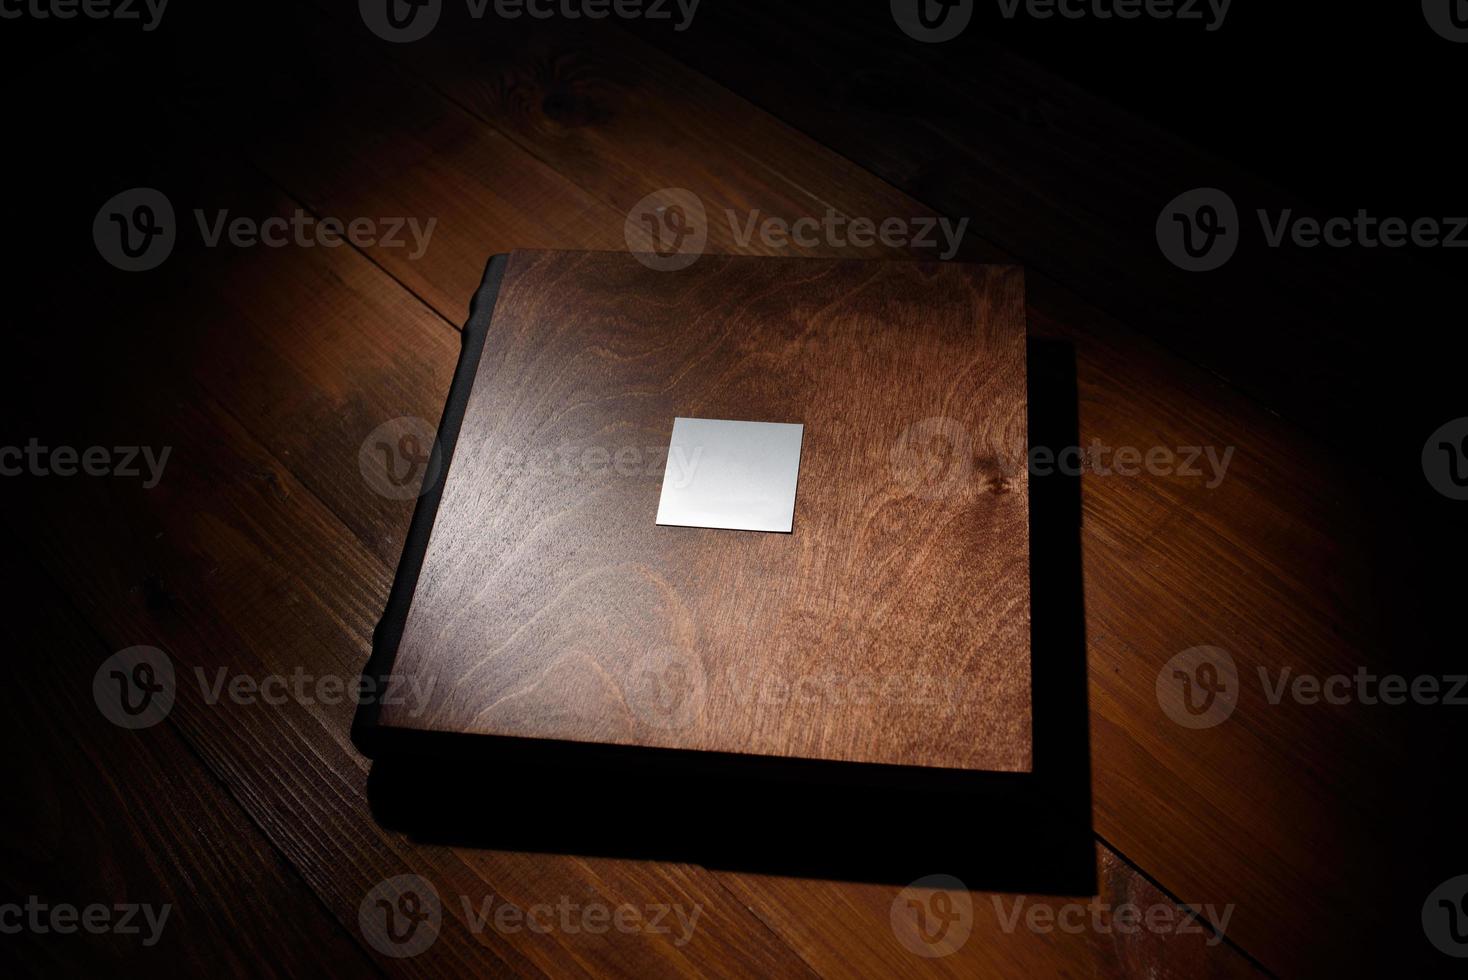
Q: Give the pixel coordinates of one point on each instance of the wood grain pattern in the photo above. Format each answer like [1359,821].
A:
[1052,172]
[274,555]
[236,566]
[1265,568]
[98,835]
[998,945]
[891,626]
[1195,796]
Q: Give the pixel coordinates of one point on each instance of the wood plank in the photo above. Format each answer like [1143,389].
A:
[383,197]
[166,615]
[233,564]
[353,134]
[232,338]
[1072,183]
[1253,571]
[1288,577]
[138,820]
[233,595]
[1005,935]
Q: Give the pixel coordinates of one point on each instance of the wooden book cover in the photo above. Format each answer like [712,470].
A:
[540,599]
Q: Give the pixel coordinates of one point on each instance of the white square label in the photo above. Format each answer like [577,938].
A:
[735,475]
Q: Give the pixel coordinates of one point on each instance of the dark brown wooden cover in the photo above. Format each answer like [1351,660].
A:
[891,626]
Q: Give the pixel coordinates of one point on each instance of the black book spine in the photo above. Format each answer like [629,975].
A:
[389,631]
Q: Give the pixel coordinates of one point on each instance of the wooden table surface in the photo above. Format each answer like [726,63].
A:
[264,552]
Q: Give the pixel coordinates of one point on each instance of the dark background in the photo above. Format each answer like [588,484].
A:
[1324,108]
[1331,109]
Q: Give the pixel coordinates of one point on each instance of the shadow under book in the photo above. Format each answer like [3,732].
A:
[742,564]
